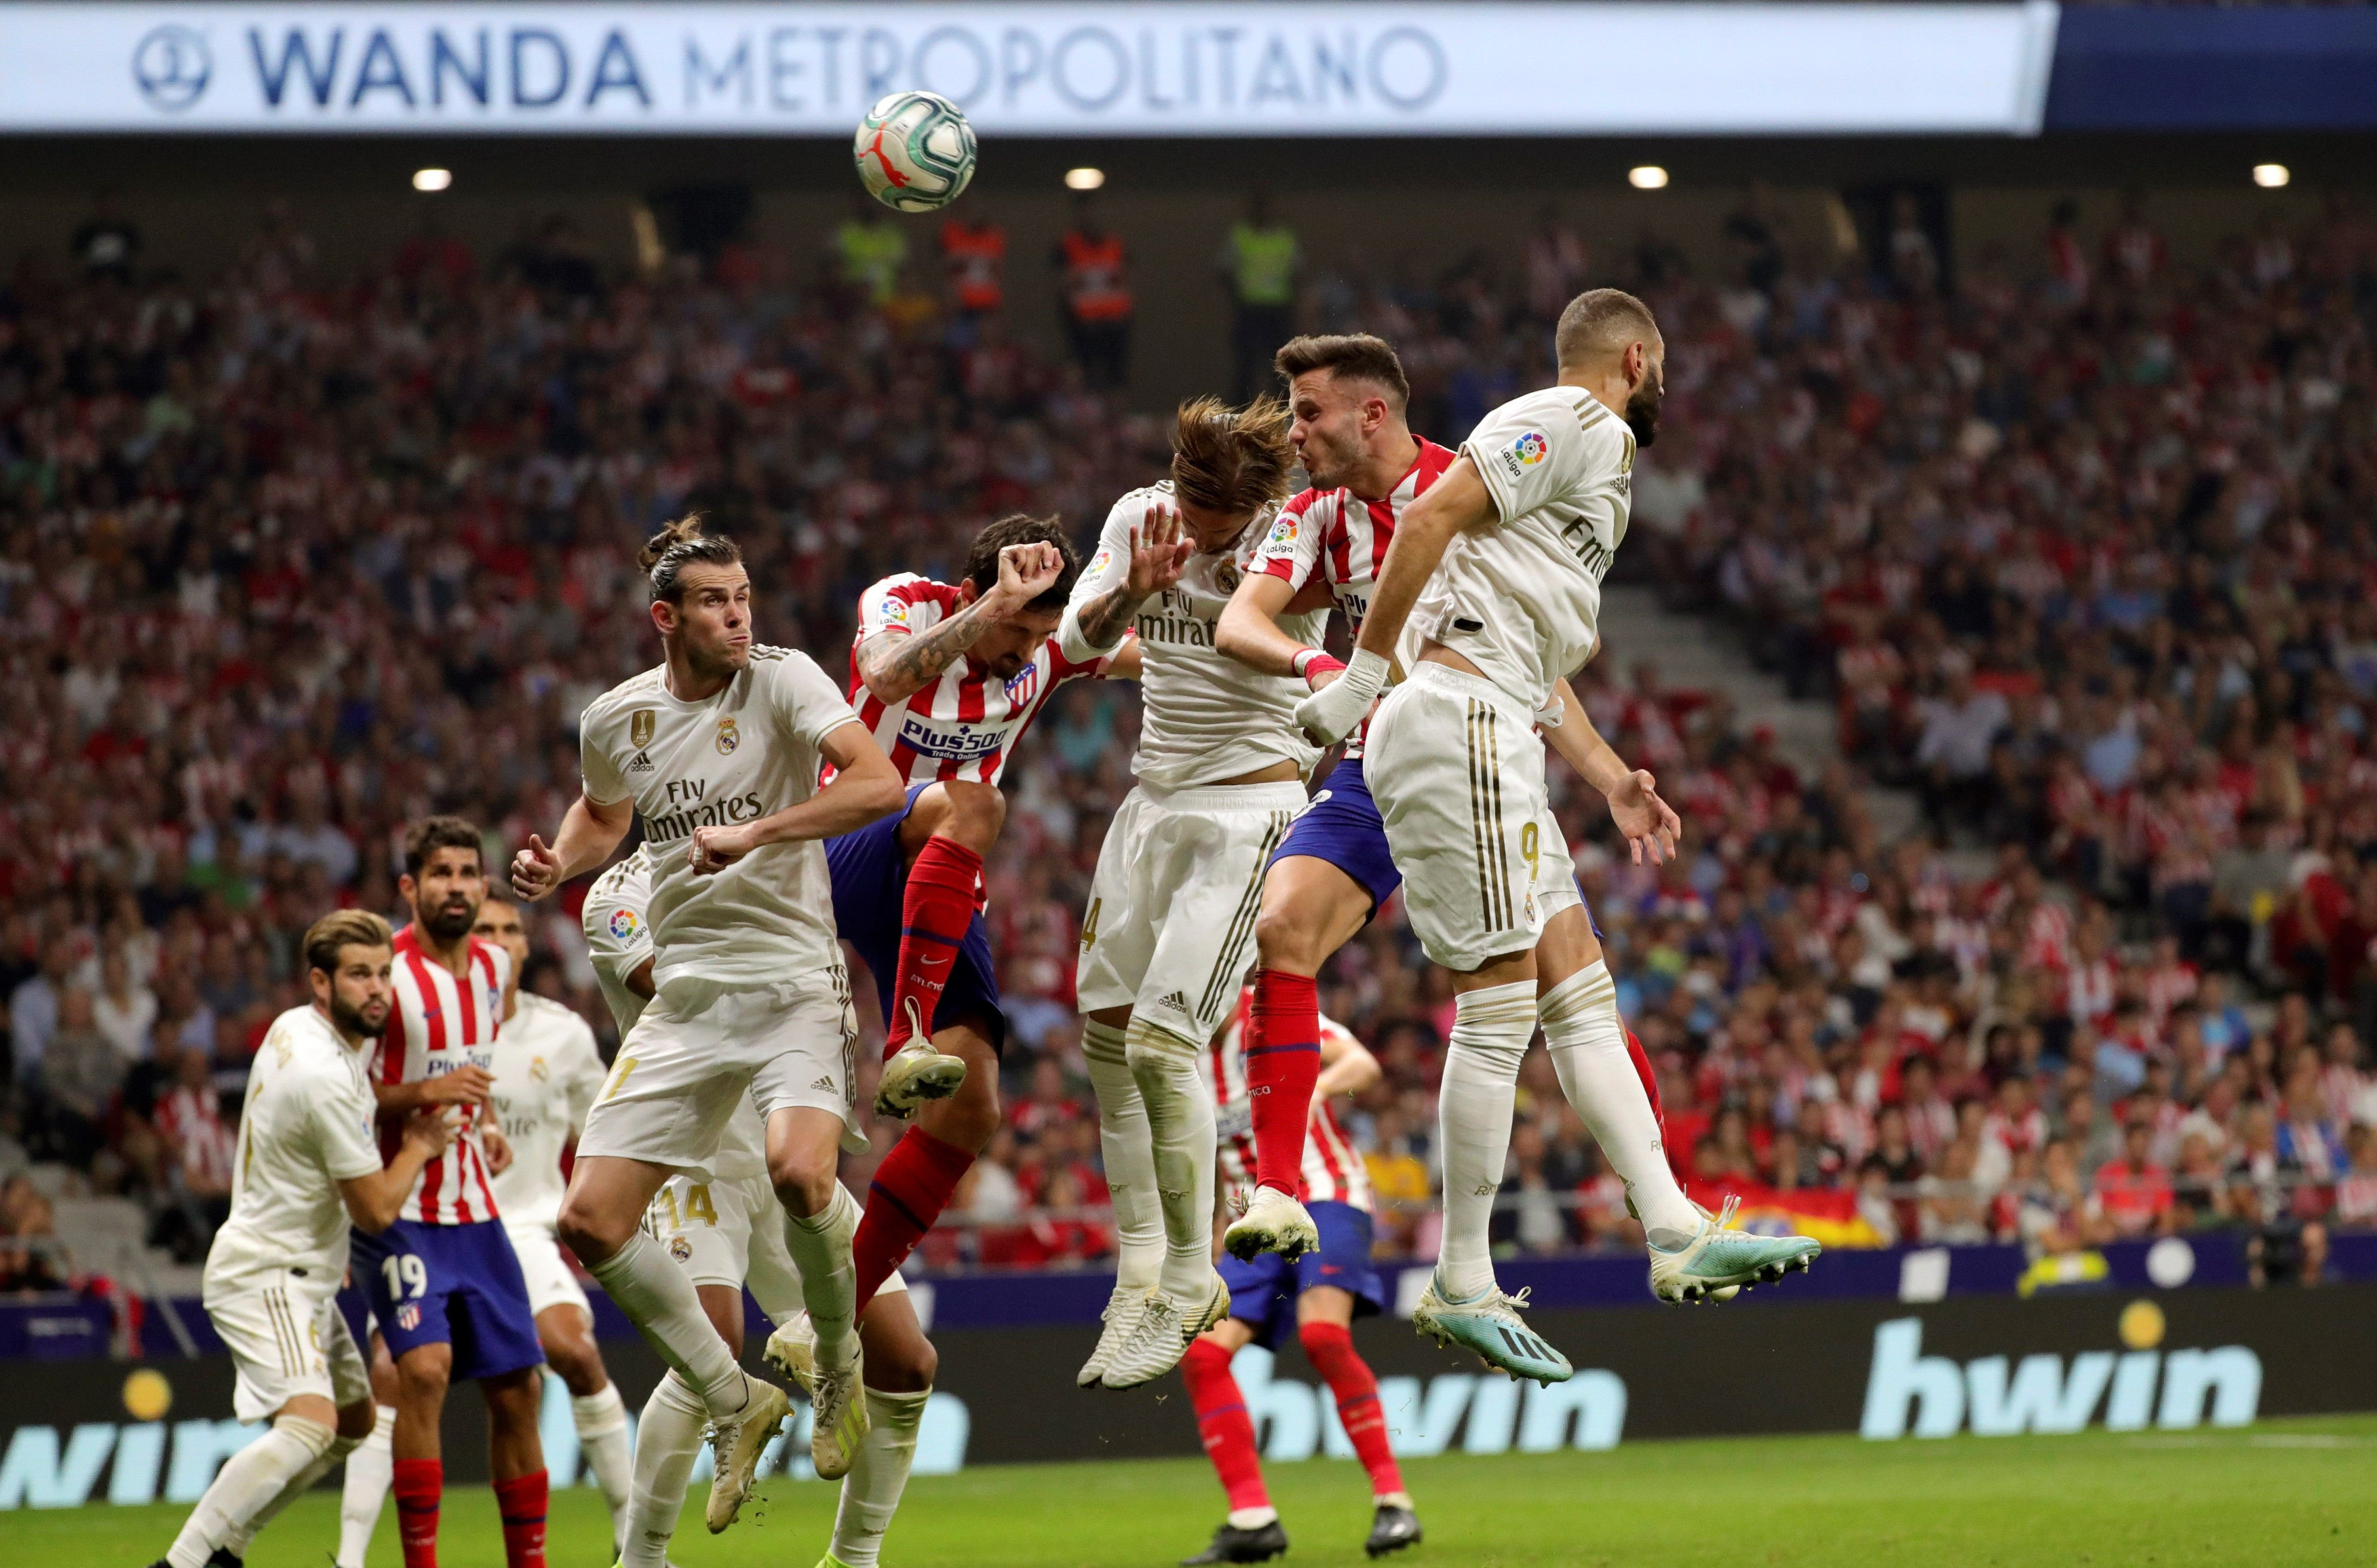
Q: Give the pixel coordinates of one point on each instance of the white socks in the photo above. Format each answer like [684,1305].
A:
[820,1248]
[668,1440]
[602,1420]
[371,1470]
[250,1482]
[659,1298]
[870,1493]
[1128,1149]
[1587,1041]
[1180,1127]
[1491,1026]
[242,1536]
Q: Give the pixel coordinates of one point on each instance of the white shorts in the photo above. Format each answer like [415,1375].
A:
[732,1233]
[699,1047]
[1170,928]
[1457,768]
[551,1281]
[286,1339]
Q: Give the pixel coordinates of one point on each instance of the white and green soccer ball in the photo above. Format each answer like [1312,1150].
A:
[914,151]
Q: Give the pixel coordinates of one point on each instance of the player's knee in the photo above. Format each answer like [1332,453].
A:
[592,1235]
[576,1362]
[422,1376]
[516,1401]
[1284,941]
[803,1179]
[909,1369]
[975,813]
[355,1420]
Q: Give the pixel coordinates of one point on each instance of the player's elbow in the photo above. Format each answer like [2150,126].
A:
[1234,634]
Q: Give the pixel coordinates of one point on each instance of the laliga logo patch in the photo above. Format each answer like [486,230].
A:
[623,925]
[1284,531]
[1531,448]
[728,737]
[1024,687]
[1100,564]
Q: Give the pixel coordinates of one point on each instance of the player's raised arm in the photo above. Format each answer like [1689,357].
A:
[866,787]
[1458,500]
[1248,630]
[1651,826]
[1132,564]
[1346,1064]
[590,831]
[896,663]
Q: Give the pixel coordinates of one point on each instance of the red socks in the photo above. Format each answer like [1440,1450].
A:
[1330,1347]
[521,1502]
[419,1484]
[911,1186]
[935,914]
[1222,1423]
[1643,1070]
[1282,1064]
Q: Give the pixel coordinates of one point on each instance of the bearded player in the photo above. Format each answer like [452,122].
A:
[948,676]
[1169,931]
[719,1229]
[1497,571]
[718,749]
[1318,1295]
[1334,872]
[444,1282]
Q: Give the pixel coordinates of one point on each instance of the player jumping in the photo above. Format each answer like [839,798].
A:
[308,1169]
[1169,931]
[1321,1293]
[444,1282]
[1523,526]
[719,750]
[719,1229]
[948,675]
[1334,872]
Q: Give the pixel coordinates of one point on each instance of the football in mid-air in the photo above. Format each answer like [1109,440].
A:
[914,151]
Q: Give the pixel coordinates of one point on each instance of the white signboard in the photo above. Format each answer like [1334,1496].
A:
[1137,69]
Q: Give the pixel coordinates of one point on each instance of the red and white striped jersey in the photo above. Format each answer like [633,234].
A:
[961,726]
[1344,538]
[441,1024]
[1333,1172]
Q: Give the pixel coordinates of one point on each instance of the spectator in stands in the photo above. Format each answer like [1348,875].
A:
[973,257]
[31,1261]
[2132,1192]
[1093,291]
[79,1074]
[34,1008]
[124,1009]
[1260,262]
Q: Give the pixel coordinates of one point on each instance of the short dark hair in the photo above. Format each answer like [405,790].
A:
[433,834]
[678,545]
[981,557]
[1356,356]
[1232,461]
[342,927]
[1601,321]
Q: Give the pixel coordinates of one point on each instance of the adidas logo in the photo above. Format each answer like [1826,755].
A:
[1176,1000]
[825,1083]
[642,763]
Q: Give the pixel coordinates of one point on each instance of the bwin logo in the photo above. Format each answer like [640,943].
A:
[1477,1415]
[1996,1398]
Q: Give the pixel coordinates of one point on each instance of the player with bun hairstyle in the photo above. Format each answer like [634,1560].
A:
[720,749]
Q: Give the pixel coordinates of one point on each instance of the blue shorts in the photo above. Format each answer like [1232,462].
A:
[1343,826]
[870,881]
[355,1307]
[456,1285]
[1264,1293]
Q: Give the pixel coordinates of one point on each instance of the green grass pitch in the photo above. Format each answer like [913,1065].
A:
[2279,1493]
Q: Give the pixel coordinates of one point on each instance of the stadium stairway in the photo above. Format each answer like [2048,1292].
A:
[1703,654]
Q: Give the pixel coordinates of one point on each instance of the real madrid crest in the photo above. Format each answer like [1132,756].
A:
[728,737]
[639,727]
[1228,577]
[538,1072]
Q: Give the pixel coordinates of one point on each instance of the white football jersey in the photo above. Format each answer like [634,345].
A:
[747,752]
[619,933]
[1519,598]
[1207,716]
[619,939]
[547,1072]
[307,1126]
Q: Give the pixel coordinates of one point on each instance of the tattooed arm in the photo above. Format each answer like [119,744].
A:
[896,664]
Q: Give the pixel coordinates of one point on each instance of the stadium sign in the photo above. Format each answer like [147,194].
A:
[1055,69]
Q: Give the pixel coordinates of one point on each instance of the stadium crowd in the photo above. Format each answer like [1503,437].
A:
[2083,545]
